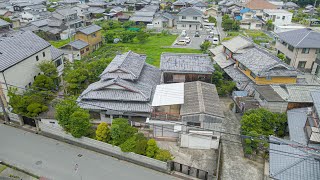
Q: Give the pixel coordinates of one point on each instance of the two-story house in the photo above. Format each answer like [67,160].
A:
[179,67]
[258,6]
[64,18]
[190,19]
[279,17]
[248,19]
[19,57]
[91,35]
[300,47]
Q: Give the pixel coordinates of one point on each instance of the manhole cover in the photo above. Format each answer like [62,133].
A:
[79,155]
[38,162]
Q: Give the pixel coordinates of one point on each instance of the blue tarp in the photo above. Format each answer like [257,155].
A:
[245,10]
[238,18]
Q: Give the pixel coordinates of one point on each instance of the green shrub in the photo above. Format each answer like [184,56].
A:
[129,145]
[163,155]
[248,150]
[103,132]
[121,131]
[152,148]
[80,123]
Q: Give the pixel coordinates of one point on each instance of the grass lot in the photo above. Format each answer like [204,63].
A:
[154,46]
[258,36]
[60,43]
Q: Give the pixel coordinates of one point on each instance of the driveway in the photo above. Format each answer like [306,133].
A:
[195,41]
[57,160]
[234,165]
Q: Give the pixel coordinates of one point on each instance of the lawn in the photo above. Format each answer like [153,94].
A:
[154,46]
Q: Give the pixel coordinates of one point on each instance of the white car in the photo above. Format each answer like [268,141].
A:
[187,39]
[215,41]
[182,42]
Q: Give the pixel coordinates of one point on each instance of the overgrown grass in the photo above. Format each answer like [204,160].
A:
[258,36]
[60,43]
[154,47]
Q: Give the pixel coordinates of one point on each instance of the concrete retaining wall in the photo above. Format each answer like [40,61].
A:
[104,148]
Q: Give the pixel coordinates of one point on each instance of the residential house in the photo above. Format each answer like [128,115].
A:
[91,35]
[19,56]
[290,6]
[248,20]
[5,13]
[190,19]
[279,17]
[185,110]
[288,27]
[57,57]
[163,20]
[64,18]
[200,5]
[212,11]
[125,89]
[286,156]
[82,11]
[301,48]
[258,6]
[178,67]
[76,50]
[178,5]
[30,16]
[277,3]
[144,15]
[99,4]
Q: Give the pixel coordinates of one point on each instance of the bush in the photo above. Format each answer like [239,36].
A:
[35,109]
[152,148]
[129,145]
[141,144]
[80,123]
[248,150]
[121,131]
[103,132]
[142,36]
[205,46]
[163,155]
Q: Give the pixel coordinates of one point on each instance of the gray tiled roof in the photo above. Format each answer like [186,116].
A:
[129,96]
[290,163]
[90,29]
[201,97]
[184,62]
[296,121]
[141,18]
[220,57]
[268,93]
[263,63]
[19,47]
[316,101]
[55,53]
[4,23]
[237,43]
[296,92]
[301,38]
[125,66]
[40,23]
[78,44]
[190,11]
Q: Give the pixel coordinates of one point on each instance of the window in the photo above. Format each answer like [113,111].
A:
[193,124]
[287,60]
[37,58]
[183,17]
[87,49]
[43,54]
[305,50]
[93,35]
[242,67]
[195,18]
[268,78]
[183,25]
[290,48]
[302,64]
[82,51]
[58,62]
[283,17]
[179,78]
[253,75]
[29,84]
[34,77]
[190,25]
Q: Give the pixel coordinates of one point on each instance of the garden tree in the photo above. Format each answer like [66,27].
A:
[64,109]
[103,132]
[163,155]
[43,82]
[229,24]
[34,109]
[281,56]
[223,85]
[121,131]
[128,24]
[142,36]
[127,36]
[50,9]
[80,123]
[76,80]
[235,25]
[269,25]
[205,46]
[141,144]
[152,148]
[129,145]
[109,37]
[212,20]
[48,68]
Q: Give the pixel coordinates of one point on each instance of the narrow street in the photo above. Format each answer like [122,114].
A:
[234,164]
[222,34]
[58,161]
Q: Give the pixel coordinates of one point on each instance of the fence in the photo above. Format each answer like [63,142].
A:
[191,171]
[104,148]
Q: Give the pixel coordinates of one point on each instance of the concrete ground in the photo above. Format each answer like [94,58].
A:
[202,159]
[194,44]
[7,172]
[57,160]
[234,164]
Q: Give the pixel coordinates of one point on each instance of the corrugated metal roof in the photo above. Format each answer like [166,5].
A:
[180,62]
[168,94]
[19,47]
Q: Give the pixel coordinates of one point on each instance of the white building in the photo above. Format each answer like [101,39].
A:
[190,19]
[19,57]
[279,17]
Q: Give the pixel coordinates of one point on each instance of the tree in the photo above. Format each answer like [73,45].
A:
[80,123]
[235,25]
[49,69]
[205,46]
[34,109]
[127,36]
[163,155]
[76,80]
[212,20]
[227,24]
[152,148]
[142,36]
[64,110]
[43,82]
[103,132]
[269,25]
[128,24]
[121,131]
[141,144]
[109,37]
[281,56]
[129,145]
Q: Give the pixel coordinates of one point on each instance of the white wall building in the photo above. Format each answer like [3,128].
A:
[190,19]
[279,17]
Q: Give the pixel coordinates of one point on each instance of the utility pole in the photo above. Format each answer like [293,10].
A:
[6,118]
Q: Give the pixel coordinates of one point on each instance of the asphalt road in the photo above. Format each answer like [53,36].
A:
[221,32]
[57,160]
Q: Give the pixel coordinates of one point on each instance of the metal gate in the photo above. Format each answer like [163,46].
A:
[29,121]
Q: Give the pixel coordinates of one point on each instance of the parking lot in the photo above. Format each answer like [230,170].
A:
[195,41]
